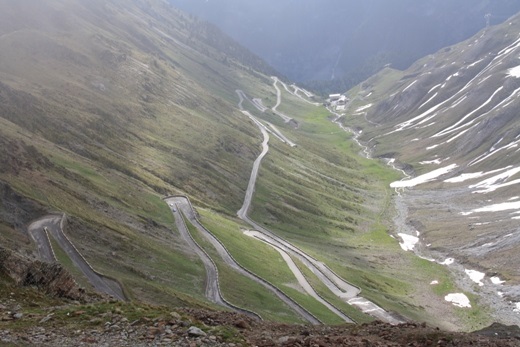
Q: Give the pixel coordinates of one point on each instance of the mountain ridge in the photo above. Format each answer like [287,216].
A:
[450,121]
[336,44]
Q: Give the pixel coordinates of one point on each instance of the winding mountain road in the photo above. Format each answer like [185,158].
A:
[270,128]
[300,277]
[182,204]
[212,288]
[51,225]
[336,284]
[37,231]
[285,118]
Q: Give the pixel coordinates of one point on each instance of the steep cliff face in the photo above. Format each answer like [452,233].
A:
[16,210]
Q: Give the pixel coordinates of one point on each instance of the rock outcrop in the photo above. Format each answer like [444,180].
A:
[50,278]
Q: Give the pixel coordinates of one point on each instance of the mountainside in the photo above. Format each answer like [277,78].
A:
[342,42]
[451,123]
[160,163]
[107,107]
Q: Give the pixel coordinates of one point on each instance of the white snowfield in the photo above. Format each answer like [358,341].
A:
[491,184]
[427,177]
[409,241]
[458,299]
[496,182]
[496,280]
[514,72]
[476,276]
[505,206]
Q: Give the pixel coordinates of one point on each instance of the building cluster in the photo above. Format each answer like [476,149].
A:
[338,101]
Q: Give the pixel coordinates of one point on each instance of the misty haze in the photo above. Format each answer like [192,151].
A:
[260,173]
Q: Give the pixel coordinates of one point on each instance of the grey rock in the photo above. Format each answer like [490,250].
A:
[175,315]
[46,318]
[283,339]
[194,331]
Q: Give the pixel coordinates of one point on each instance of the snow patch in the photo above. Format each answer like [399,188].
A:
[505,206]
[458,299]
[457,125]
[428,162]
[468,176]
[362,108]
[476,276]
[517,309]
[475,63]
[498,181]
[514,72]
[409,241]
[448,261]
[427,177]
[433,88]
[496,280]
[411,84]
[464,177]
[427,101]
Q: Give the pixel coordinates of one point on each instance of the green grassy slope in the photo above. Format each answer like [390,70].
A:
[107,107]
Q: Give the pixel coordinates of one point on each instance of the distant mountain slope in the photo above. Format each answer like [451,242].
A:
[83,71]
[451,121]
[343,40]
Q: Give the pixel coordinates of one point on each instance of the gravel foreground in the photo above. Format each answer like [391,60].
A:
[193,328]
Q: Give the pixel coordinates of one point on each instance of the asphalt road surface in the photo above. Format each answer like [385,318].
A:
[336,284]
[182,204]
[51,224]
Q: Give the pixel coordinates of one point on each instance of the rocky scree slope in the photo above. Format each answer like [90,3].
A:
[31,316]
[451,122]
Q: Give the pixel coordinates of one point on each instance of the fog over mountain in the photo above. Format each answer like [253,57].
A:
[345,41]
[161,184]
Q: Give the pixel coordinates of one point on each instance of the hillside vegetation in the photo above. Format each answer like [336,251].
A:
[108,107]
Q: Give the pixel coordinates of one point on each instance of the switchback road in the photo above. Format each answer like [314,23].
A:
[51,226]
[212,288]
[336,284]
[182,204]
